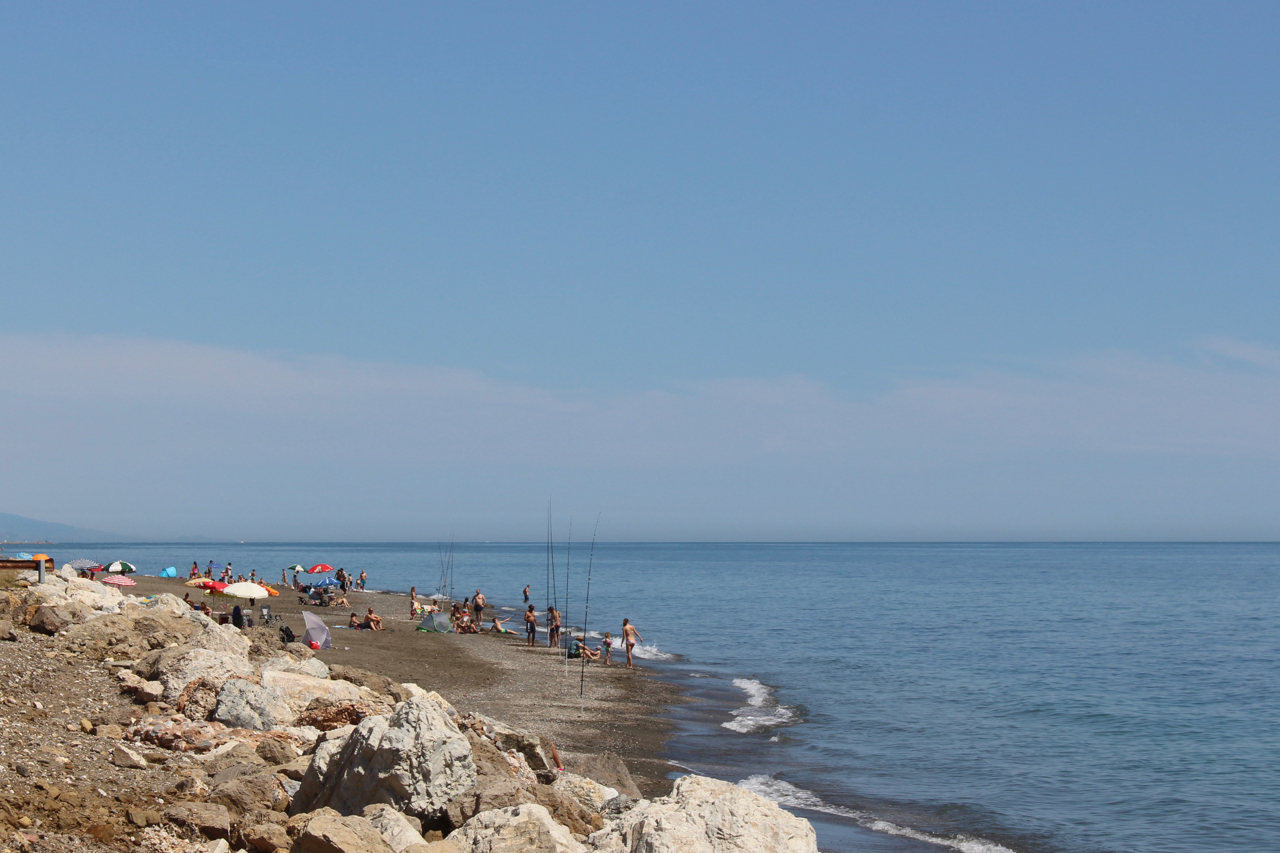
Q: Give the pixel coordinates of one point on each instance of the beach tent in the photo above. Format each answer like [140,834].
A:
[123,567]
[23,555]
[316,631]
[171,572]
[436,623]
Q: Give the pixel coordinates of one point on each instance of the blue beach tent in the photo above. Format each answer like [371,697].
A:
[171,572]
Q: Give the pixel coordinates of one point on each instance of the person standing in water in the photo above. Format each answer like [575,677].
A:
[531,626]
[630,636]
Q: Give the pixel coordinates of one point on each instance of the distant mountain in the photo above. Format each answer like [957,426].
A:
[15,528]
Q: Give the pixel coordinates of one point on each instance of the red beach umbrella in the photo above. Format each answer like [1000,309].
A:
[120,580]
[214,586]
[319,568]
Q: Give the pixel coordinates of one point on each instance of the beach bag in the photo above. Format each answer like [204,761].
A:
[286,634]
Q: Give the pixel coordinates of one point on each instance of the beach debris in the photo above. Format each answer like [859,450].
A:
[704,815]
[415,759]
[525,828]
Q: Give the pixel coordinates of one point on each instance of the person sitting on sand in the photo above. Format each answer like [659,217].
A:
[205,609]
[187,598]
[500,625]
[531,626]
[342,602]
[372,620]
[579,649]
[354,622]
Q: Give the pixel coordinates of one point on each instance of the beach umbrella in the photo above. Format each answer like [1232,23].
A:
[296,567]
[328,582]
[215,587]
[319,568]
[200,582]
[122,567]
[317,635]
[119,580]
[84,565]
[244,589]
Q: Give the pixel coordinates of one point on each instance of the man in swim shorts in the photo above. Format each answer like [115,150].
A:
[531,626]
[630,636]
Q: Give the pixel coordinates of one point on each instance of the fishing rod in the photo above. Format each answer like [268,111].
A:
[586,609]
[567,550]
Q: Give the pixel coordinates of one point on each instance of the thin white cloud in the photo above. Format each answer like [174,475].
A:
[145,436]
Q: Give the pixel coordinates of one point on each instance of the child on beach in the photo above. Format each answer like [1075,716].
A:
[607,646]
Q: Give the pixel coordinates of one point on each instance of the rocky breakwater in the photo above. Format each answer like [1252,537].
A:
[236,741]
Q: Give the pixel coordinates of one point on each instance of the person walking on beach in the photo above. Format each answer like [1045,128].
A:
[531,625]
[363,577]
[630,636]
[413,601]
[526,593]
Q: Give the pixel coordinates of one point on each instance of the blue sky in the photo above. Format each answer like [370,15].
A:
[716,270]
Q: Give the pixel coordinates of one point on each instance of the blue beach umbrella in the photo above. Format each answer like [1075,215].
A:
[328,582]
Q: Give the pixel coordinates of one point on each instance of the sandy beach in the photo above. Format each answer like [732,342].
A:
[496,675]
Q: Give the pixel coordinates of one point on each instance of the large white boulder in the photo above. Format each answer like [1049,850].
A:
[301,690]
[181,666]
[394,827]
[707,816]
[313,667]
[245,705]
[526,828]
[414,760]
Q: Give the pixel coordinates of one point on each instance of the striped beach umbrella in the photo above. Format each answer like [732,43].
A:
[122,567]
[119,580]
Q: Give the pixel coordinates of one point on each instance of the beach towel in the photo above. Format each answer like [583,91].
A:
[316,632]
[436,623]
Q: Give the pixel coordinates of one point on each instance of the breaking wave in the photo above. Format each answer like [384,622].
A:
[649,652]
[762,711]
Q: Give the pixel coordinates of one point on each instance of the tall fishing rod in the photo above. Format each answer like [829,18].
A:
[586,609]
[563,619]
[548,586]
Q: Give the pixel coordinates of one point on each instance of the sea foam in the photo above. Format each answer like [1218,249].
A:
[762,711]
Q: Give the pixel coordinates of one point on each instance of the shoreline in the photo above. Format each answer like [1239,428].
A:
[623,711]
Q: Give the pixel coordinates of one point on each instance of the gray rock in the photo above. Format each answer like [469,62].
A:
[276,752]
[50,620]
[607,769]
[245,705]
[6,631]
[313,667]
[123,756]
[177,667]
[415,760]
[209,819]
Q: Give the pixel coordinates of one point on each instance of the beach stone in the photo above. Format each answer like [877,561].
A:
[301,690]
[245,705]
[295,769]
[123,756]
[416,760]
[221,639]
[50,620]
[149,691]
[326,715]
[607,769]
[249,791]
[231,754]
[526,828]
[508,737]
[399,831]
[276,752]
[266,837]
[313,667]
[591,795]
[704,815]
[362,678]
[178,667]
[301,651]
[7,632]
[211,820]
[328,833]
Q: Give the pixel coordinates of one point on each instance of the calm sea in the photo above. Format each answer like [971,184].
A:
[1034,698]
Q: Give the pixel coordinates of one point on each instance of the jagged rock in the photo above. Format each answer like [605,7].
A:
[525,828]
[231,754]
[123,756]
[11,606]
[199,698]
[415,760]
[327,833]
[326,715]
[313,667]
[220,639]
[50,620]
[276,752]
[178,667]
[300,651]
[6,631]
[245,705]
[399,831]
[707,816]
[149,691]
[301,690]
[266,837]
[591,795]
[507,737]
[295,769]
[607,769]
[249,791]
[209,819]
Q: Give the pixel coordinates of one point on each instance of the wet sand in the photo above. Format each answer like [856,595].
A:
[496,675]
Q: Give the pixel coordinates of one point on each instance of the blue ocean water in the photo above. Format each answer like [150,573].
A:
[1039,698]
